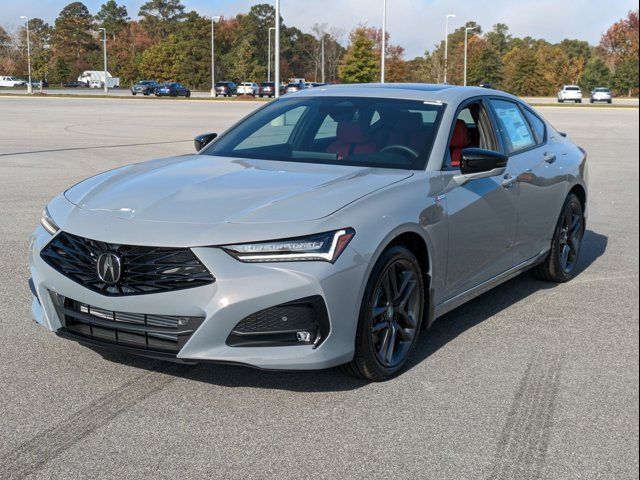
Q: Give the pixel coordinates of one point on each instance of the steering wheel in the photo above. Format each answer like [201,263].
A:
[404,149]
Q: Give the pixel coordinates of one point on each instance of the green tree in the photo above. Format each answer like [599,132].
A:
[161,17]
[40,42]
[112,17]
[596,74]
[72,35]
[522,73]
[359,64]
[484,63]
[499,38]
[625,77]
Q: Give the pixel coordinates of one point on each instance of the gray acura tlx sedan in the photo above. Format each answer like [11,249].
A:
[327,228]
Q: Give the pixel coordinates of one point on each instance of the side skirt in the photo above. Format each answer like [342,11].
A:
[464,297]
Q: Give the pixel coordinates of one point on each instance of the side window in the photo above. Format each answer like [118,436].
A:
[514,129]
[537,125]
[328,129]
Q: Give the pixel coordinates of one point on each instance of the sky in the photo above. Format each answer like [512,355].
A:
[416,25]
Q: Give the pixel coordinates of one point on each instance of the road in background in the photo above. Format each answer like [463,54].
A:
[531,380]
[125,92]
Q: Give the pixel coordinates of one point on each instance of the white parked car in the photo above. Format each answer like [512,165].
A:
[11,82]
[95,84]
[570,93]
[601,94]
[248,88]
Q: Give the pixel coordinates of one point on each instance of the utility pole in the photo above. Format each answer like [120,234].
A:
[322,57]
[104,58]
[383,52]
[269,59]
[29,86]
[446,44]
[277,49]
[466,34]
[213,56]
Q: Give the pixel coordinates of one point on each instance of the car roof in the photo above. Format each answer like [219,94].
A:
[443,93]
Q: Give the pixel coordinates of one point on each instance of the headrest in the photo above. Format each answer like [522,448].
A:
[349,132]
[460,136]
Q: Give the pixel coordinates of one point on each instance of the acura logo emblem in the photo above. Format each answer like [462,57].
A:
[109,268]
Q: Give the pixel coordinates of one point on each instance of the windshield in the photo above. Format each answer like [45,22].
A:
[370,132]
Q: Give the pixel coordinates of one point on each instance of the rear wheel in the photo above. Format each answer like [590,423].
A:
[560,265]
[390,316]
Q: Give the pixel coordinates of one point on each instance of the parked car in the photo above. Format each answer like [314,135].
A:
[248,88]
[317,84]
[226,89]
[267,89]
[172,89]
[95,84]
[570,93]
[294,87]
[8,81]
[145,87]
[365,213]
[601,94]
[73,84]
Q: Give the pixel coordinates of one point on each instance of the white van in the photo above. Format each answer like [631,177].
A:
[11,82]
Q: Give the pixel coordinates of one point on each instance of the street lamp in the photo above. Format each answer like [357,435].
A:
[466,34]
[446,44]
[277,48]
[269,59]
[213,56]
[104,57]
[384,40]
[322,56]
[29,86]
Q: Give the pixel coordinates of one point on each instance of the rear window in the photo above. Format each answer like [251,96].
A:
[572,88]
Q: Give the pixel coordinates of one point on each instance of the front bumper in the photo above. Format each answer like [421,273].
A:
[241,289]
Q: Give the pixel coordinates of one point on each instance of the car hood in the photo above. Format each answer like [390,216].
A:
[202,189]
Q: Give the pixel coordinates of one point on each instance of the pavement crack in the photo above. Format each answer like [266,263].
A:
[522,448]
[32,455]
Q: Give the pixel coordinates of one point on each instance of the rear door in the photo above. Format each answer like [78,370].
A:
[533,167]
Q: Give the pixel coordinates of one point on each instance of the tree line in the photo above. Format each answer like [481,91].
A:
[168,43]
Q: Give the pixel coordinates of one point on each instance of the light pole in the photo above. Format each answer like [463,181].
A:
[29,86]
[466,35]
[269,60]
[446,44]
[213,56]
[383,52]
[276,79]
[322,57]
[104,57]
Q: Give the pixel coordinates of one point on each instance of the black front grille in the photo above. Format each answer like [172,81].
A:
[152,333]
[144,269]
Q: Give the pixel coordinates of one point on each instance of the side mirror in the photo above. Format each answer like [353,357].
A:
[477,160]
[203,140]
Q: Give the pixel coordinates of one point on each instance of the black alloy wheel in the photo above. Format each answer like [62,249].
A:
[390,316]
[560,265]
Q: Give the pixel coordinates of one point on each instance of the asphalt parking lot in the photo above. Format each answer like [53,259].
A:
[529,381]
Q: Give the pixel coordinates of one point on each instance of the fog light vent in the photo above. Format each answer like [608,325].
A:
[304,321]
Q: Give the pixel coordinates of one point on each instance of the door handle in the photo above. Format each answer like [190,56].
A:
[549,157]
[509,181]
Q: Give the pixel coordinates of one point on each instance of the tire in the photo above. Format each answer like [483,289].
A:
[397,320]
[609,102]
[133,93]
[188,94]
[560,101]
[568,235]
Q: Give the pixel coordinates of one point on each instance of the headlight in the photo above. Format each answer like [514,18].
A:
[325,247]
[47,222]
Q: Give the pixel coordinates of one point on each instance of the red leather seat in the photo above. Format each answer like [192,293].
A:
[459,141]
[350,140]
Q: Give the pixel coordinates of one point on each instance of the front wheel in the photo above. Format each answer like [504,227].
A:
[390,316]
[560,265]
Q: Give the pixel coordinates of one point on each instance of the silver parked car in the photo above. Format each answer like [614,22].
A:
[601,94]
[327,228]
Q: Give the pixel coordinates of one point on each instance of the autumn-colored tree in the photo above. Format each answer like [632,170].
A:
[596,74]
[360,63]
[125,53]
[620,46]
